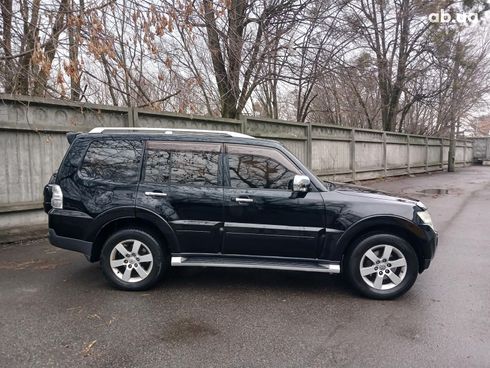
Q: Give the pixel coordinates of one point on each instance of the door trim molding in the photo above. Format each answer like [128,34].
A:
[280,227]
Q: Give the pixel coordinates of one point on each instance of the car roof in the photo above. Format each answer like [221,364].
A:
[169,131]
[183,136]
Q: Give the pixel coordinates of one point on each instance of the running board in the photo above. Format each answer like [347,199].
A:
[256,262]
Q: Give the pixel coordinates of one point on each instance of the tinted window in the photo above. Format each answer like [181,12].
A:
[182,163]
[157,169]
[194,168]
[115,160]
[249,170]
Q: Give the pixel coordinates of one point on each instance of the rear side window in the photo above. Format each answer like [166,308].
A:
[115,160]
[182,163]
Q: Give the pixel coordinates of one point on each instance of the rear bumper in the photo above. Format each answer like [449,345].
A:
[76,245]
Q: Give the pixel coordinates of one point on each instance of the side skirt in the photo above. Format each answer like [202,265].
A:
[255,262]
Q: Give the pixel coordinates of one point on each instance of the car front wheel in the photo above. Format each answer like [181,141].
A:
[382,266]
[133,259]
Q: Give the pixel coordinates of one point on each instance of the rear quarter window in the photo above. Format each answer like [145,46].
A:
[114,160]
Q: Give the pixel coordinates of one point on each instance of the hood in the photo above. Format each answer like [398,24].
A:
[361,191]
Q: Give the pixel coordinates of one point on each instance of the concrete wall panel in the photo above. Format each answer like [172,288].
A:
[33,143]
[369,155]
[330,156]
[396,155]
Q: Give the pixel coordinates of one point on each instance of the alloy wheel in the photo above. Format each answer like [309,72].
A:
[131,260]
[383,267]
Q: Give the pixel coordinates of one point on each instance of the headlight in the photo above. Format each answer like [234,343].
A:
[425,217]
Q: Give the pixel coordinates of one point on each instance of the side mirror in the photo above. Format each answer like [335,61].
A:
[301,184]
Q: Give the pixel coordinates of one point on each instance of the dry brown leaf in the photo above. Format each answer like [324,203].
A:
[86,350]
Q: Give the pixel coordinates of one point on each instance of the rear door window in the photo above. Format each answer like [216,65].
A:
[114,160]
[184,163]
[157,167]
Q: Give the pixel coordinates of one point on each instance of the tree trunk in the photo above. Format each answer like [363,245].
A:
[6,6]
[452,147]
[228,103]
[29,41]
[73,34]
[453,112]
[50,49]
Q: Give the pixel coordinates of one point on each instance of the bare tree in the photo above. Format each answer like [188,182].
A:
[363,63]
[34,28]
[239,39]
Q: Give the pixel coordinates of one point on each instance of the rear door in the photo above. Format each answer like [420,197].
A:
[182,182]
[261,217]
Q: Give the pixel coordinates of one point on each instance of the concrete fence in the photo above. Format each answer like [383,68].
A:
[33,142]
[481,150]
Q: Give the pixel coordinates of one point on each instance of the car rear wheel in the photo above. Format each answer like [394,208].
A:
[382,266]
[133,259]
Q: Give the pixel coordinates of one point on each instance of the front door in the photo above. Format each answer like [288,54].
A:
[182,183]
[261,217]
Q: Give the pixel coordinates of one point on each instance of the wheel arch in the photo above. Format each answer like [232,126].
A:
[142,219]
[392,225]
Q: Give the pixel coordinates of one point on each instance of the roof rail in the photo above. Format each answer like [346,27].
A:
[168,131]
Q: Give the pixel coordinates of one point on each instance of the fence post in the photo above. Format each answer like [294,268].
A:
[426,154]
[408,154]
[135,121]
[130,121]
[442,154]
[385,159]
[243,123]
[309,147]
[353,154]
[464,151]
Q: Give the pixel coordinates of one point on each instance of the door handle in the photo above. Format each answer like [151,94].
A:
[156,194]
[243,200]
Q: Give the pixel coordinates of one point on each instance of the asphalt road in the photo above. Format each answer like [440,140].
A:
[57,310]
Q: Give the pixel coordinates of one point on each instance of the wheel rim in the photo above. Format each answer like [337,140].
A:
[383,267]
[131,260]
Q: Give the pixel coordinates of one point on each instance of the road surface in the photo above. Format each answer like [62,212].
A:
[57,310]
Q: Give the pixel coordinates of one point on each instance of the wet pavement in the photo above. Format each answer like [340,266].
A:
[56,309]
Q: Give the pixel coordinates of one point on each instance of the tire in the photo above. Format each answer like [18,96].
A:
[141,267]
[382,266]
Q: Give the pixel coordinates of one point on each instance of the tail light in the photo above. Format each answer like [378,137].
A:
[57,196]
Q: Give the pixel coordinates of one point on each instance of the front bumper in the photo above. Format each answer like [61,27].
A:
[431,247]
[76,245]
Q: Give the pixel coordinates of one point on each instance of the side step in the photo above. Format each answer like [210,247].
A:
[256,262]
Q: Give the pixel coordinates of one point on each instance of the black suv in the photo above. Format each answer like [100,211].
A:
[142,200]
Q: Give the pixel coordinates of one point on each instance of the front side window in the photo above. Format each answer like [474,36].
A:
[115,160]
[259,168]
[182,163]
